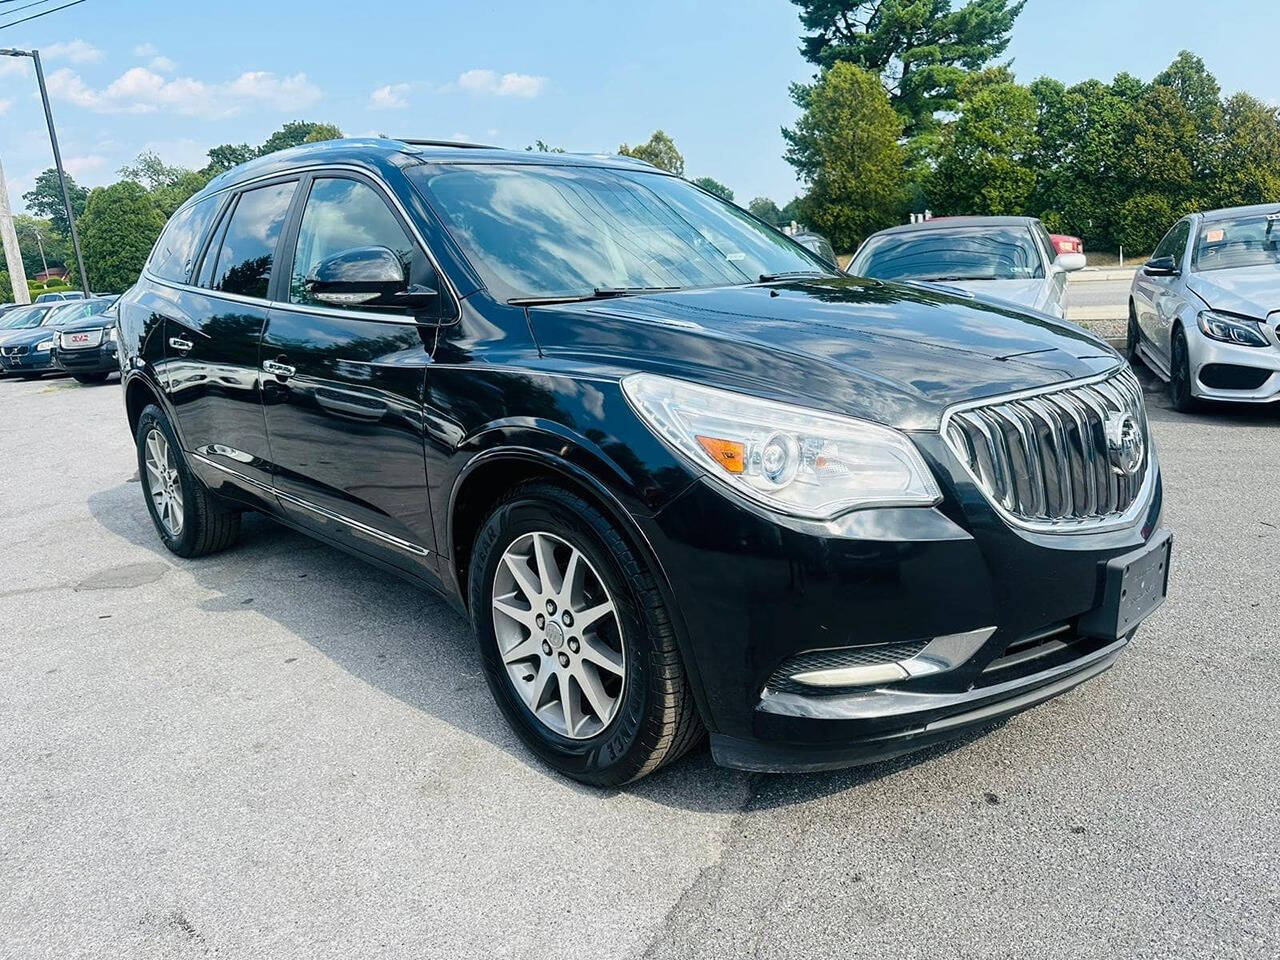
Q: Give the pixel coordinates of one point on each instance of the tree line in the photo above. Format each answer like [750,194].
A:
[119,224]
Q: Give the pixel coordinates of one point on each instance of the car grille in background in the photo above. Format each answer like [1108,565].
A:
[1042,457]
[14,351]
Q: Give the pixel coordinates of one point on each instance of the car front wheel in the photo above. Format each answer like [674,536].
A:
[1180,375]
[188,518]
[1133,338]
[577,644]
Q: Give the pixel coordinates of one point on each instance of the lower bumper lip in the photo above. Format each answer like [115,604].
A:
[940,655]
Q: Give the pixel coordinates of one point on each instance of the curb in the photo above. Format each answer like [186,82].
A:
[1098,314]
[1103,274]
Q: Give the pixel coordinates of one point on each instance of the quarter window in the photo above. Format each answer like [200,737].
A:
[176,251]
[249,242]
[341,215]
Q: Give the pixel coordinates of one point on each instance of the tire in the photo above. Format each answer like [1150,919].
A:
[1180,397]
[204,524]
[90,378]
[655,719]
[1133,337]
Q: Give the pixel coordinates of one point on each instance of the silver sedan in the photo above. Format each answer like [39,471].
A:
[1204,310]
[1009,259]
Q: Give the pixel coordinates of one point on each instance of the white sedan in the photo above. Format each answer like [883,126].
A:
[1204,311]
[997,258]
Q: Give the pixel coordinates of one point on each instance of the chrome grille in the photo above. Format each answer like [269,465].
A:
[1042,457]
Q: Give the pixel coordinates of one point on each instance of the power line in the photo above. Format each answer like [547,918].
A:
[36,16]
[27,7]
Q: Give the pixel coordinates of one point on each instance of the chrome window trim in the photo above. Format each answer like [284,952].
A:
[404,545]
[1141,500]
[317,170]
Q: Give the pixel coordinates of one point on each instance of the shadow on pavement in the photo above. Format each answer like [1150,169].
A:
[413,646]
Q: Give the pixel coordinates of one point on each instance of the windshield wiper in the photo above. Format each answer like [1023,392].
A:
[791,275]
[599,293]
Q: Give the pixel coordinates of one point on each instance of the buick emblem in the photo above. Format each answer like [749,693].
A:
[1126,446]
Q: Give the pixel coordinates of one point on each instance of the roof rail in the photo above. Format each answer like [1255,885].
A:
[414,142]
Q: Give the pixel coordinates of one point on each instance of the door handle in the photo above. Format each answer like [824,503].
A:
[281,370]
[183,346]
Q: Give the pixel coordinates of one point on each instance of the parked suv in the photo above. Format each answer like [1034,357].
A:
[678,471]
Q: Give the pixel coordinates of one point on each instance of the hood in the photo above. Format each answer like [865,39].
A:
[95,322]
[891,353]
[28,337]
[1249,291]
[1019,293]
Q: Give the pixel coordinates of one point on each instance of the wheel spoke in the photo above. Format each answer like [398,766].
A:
[596,651]
[524,650]
[571,585]
[524,577]
[586,618]
[572,715]
[154,472]
[545,560]
[520,615]
[593,690]
[175,514]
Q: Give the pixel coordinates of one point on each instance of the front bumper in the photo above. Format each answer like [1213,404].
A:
[1213,364]
[100,359]
[754,592]
[41,361]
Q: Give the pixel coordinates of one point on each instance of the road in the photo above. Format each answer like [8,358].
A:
[279,752]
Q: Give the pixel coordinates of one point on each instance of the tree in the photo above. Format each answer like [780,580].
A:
[539,146]
[45,199]
[711,185]
[845,147]
[297,132]
[57,250]
[660,150]
[226,156]
[987,163]
[766,210]
[1249,165]
[119,228]
[169,186]
[920,49]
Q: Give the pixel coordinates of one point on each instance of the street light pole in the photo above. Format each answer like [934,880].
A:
[57,161]
[43,262]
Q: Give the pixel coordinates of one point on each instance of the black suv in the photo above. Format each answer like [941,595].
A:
[680,473]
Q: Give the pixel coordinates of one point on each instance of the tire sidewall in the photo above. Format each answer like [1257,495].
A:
[608,756]
[153,418]
[1180,373]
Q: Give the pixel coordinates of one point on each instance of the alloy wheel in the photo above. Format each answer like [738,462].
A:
[163,483]
[558,635]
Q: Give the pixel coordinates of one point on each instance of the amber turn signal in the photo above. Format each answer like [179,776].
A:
[727,453]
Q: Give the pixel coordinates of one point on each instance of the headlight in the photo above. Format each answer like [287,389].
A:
[1229,329]
[44,346]
[110,335]
[794,460]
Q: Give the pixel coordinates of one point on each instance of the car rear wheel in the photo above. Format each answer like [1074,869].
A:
[1180,375]
[90,378]
[577,645]
[188,518]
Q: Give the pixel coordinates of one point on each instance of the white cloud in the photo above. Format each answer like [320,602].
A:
[161,64]
[506,85]
[185,152]
[146,50]
[76,51]
[84,167]
[13,66]
[140,90]
[4,106]
[394,96]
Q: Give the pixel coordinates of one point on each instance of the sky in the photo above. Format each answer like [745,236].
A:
[177,78]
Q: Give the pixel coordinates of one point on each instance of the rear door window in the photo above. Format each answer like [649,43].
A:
[248,250]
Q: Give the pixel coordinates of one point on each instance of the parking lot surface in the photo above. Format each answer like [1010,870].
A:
[280,752]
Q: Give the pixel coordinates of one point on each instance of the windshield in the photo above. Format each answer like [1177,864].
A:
[1238,242]
[71,312]
[23,318]
[546,232]
[958,253]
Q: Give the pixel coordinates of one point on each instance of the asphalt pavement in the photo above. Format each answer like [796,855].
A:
[280,752]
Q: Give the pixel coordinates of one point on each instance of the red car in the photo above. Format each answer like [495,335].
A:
[1064,244]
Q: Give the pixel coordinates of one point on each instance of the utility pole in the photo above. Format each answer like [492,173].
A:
[40,245]
[57,160]
[12,253]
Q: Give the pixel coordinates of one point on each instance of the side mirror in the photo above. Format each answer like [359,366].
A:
[1161,267]
[1070,262]
[366,276]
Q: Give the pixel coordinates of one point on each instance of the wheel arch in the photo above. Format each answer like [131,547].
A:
[492,473]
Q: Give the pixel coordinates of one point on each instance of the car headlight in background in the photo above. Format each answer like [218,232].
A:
[1229,329]
[797,461]
[110,335]
[44,346]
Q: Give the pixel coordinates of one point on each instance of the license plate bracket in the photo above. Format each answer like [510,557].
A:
[1134,586]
